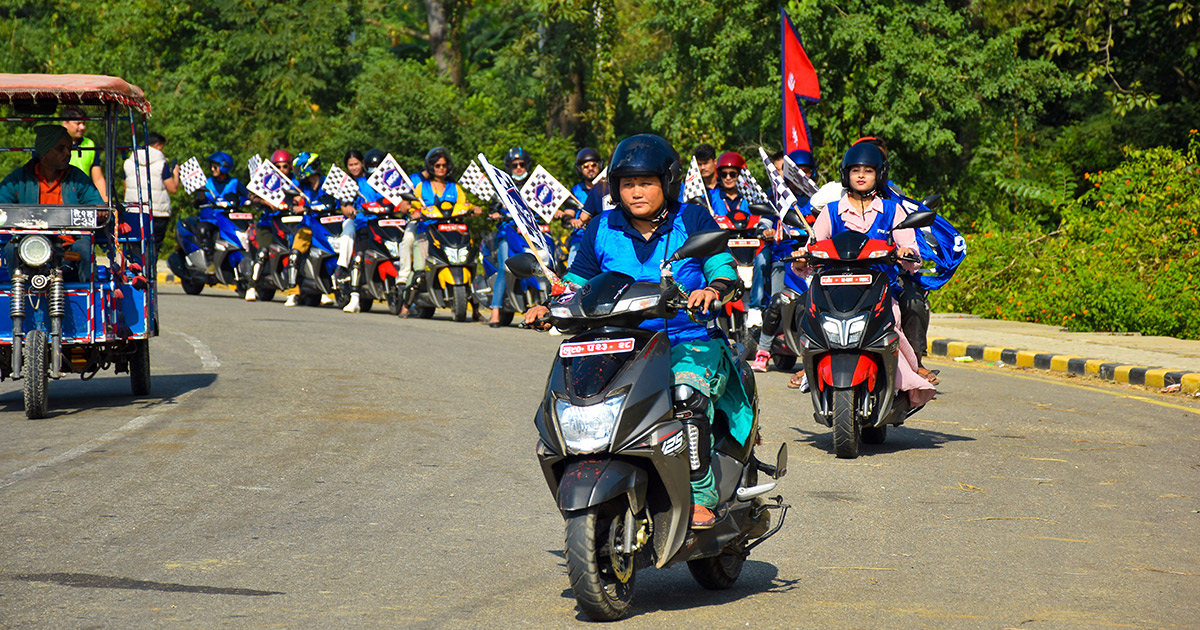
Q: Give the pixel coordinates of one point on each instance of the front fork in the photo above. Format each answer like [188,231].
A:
[57,309]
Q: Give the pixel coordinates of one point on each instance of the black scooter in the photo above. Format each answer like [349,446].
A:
[849,340]
[615,450]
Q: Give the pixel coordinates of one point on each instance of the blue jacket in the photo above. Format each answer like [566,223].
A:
[720,204]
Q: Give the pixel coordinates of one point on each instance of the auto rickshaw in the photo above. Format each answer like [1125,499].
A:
[64,309]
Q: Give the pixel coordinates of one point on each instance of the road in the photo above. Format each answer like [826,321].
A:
[303,468]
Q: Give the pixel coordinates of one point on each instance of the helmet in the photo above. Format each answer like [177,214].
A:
[433,155]
[372,159]
[800,157]
[281,156]
[514,154]
[866,154]
[646,155]
[731,159]
[587,154]
[223,160]
[306,165]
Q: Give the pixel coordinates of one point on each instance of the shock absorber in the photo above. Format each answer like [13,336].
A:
[58,308]
[16,309]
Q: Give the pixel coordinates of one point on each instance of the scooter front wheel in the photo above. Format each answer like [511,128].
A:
[192,287]
[601,577]
[845,424]
[460,303]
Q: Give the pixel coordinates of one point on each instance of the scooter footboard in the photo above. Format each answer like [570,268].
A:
[589,482]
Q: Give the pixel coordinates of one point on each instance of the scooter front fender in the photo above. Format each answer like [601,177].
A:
[590,482]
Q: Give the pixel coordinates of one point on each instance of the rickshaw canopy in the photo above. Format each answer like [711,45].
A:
[82,89]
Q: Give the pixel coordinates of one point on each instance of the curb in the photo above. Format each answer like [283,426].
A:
[1157,378]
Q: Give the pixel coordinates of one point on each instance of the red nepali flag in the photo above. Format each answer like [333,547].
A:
[799,82]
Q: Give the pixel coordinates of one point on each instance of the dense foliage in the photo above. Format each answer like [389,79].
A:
[1011,110]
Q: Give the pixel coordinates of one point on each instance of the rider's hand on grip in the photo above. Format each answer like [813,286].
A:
[537,317]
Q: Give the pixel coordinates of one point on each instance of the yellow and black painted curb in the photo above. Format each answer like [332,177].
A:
[1189,382]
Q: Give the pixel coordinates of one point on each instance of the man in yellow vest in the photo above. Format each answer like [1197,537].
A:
[88,159]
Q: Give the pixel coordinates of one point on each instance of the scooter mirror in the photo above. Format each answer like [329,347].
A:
[761,209]
[523,265]
[793,219]
[932,201]
[702,244]
[409,197]
[918,219]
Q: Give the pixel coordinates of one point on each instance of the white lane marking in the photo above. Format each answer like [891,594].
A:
[207,358]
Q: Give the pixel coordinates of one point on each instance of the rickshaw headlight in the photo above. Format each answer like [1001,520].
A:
[35,250]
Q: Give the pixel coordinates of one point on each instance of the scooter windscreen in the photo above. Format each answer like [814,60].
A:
[598,297]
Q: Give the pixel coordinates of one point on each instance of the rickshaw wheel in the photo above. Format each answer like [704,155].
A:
[37,393]
[139,367]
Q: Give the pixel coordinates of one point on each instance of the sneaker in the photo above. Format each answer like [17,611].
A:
[327,299]
[293,300]
[251,294]
[754,318]
[352,306]
[759,364]
[702,517]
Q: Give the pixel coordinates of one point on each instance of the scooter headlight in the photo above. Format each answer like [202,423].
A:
[457,255]
[35,250]
[588,429]
[844,332]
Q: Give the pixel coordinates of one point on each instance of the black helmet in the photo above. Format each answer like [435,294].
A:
[587,154]
[373,159]
[650,156]
[514,154]
[433,155]
[866,154]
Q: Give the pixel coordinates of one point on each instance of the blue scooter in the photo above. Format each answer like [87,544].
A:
[212,247]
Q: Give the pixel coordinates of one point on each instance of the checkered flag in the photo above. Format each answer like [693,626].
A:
[523,217]
[693,184]
[474,180]
[254,162]
[339,184]
[751,191]
[390,180]
[796,177]
[784,197]
[601,177]
[544,194]
[270,184]
[193,178]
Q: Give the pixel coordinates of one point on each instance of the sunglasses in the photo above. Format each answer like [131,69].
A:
[729,174]
[441,165]
[519,164]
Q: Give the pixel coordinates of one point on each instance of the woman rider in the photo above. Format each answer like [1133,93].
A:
[647,226]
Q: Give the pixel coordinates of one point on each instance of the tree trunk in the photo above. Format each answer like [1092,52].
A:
[443,30]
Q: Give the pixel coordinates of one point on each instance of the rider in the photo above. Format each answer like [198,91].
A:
[726,200]
[588,165]
[437,196]
[867,207]
[368,204]
[649,224]
[518,164]
[283,161]
[48,178]
[308,180]
[220,188]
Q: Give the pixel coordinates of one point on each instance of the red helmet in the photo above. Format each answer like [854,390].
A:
[731,159]
[281,156]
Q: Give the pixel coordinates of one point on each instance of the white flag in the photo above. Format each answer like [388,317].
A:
[522,216]
[193,178]
[339,184]
[390,180]
[751,191]
[784,197]
[475,181]
[693,184]
[797,178]
[543,193]
[271,184]
[253,163]
[601,177]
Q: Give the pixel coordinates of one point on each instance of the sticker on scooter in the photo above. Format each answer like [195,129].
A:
[240,216]
[673,444]
[840,280]
[333,219]
[744,242]
[589,348]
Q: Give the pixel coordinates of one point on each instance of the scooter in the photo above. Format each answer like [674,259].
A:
[269,250]
[376,262]
[615,449]
[313,259]
[745,244]
[519,293]
[848,335]
[446,280]
[217,241]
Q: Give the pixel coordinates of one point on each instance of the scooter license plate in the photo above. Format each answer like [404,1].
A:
[333,219]
[452,227]
[589,348]
[393,222]
[840,280]
[744,242]
[295,218]
[241,216]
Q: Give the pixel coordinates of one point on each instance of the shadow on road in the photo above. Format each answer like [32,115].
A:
[71,395]
[902,438]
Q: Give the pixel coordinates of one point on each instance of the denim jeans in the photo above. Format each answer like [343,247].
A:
[499,286]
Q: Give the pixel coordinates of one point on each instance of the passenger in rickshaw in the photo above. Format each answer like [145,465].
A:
[49,179]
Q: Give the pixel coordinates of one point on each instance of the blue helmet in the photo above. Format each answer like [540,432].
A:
[800,157]
[223,160]
[306,165]
[866,154]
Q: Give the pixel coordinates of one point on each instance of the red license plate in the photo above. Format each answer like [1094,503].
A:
[839,280]
[393,222]
[452,227]
[744,242]
[588,348]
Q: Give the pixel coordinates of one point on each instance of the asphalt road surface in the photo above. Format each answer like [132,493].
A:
[299,467]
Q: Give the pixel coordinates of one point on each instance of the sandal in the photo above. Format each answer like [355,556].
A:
[928,375]
[796,380]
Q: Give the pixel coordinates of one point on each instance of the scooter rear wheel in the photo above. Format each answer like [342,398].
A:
[845,424]
[718,572]
[596,571]
[784,362]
